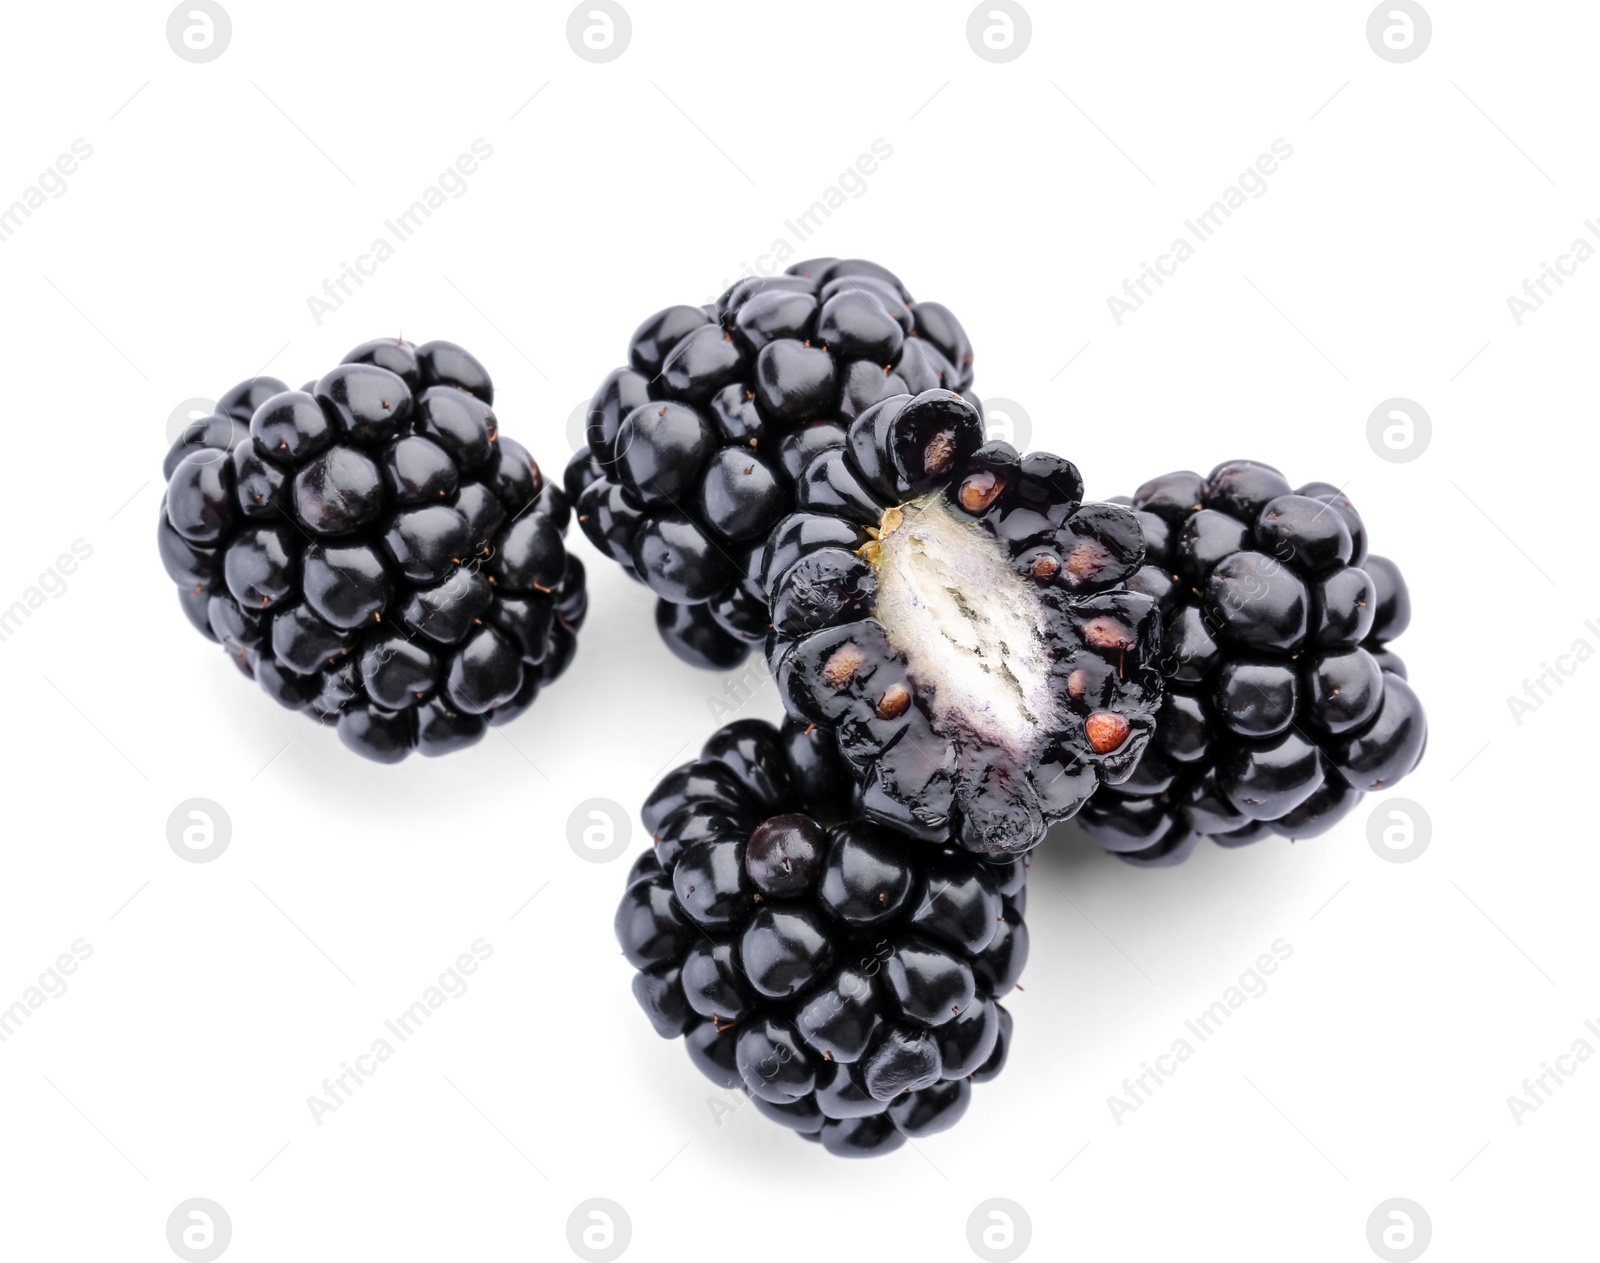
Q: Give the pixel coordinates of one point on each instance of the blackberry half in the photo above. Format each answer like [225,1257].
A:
[957,615]
[373,551]
[843,975]
[695,447]
[1284,704]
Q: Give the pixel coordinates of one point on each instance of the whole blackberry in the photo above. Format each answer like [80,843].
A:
[1284,704]
[373,551]
[845,976]
[695,447]
[957,615]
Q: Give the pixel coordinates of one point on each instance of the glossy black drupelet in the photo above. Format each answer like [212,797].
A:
[958,616]
[695,446]
[845,976]
[1284,703]
[373,551]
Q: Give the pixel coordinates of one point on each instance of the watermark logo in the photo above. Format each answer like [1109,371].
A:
[999,1229]
[451,184]
[849,185]
[191,412]
[730,1102]
[738,688]
[1537,288]
[599,30]
[1399,430]
[599,830]
[1539,689]
[199,31]
[1139,1089]
[1539,1089]
[1249,185]
[1399,830]
[199,830]
[51,584]
[199,1230]
[999,30]
[578,425]
[1007,421]
[1399,30]
[1399,1230]
[50,185]
[52,985]
[339,1089]
[599,1229]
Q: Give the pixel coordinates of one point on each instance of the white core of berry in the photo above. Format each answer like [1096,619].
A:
[968,624]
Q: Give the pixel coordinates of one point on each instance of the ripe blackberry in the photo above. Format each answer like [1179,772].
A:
[694,448]
[958,616]
[373,551]
[845,976]
[1284,704]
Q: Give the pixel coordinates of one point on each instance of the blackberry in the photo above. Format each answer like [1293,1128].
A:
[694,448]
[957,615]
[843,975]
[1284,704]
[373,551]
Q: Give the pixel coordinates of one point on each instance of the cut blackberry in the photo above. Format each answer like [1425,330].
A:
[958,616]
[1284,703]
[694,448]
[373,551]
[843,975]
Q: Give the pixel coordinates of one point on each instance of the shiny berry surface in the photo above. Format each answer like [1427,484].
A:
[696,445]
[373,551]
[1284,703]
[845,976]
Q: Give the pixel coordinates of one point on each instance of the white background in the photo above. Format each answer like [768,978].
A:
[1377,264]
